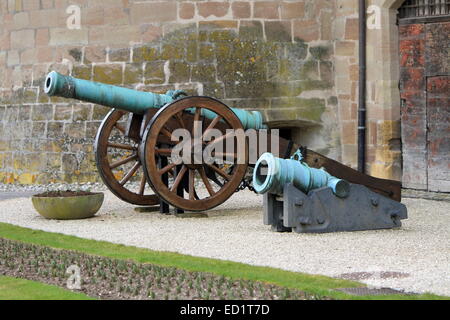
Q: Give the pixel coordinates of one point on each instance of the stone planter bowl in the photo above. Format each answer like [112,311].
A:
[68,208]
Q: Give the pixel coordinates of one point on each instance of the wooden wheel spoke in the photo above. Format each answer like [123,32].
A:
[130,174]
[221,139]
[167,169]
[180,120]
[179,178]
[121,146]
[206,182]
[220,172]
[164,151]
[124,161]
[120,128]
[167,133]
[143,183]
[195,129]
[225,155]
[212,125]
[191,184]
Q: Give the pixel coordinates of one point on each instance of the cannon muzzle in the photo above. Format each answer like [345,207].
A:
[107,95]
[272,174]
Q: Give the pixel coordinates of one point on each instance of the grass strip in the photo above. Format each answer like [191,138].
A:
[20,289]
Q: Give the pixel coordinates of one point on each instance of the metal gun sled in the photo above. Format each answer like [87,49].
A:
[308,200]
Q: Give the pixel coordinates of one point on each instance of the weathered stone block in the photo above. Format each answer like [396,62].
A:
[24,113]
[203,73]
[150,12]
[179,72]
[213,89]
[251,30]
[186,11]
[266,10]
[75,130]
[82,72]
[192,51]
[211,8]
[122,54]
[23,39]
[172,51]
[69,163]
[42,112]
[206,52]
[94,54]
[81,113]
[55,130]
[133,73]
[99,112]
[145,54]
[109,74]
[154,72]
[307,30]
[64,36]
[278,30]
[241,9]
[38,130]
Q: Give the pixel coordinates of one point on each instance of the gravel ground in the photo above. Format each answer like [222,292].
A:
[415,258]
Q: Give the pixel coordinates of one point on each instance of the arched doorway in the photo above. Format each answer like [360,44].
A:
[424,36]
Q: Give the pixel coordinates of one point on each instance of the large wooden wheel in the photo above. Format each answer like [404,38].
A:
[119,163]
[204,183]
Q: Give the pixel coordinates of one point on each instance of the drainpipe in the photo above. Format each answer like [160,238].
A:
[362,88]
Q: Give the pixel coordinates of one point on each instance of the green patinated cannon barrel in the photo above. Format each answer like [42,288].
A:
[272,174]
[130,100]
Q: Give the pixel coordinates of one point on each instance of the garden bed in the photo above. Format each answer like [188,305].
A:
[107,278]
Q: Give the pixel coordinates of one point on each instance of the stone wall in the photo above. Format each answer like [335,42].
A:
[273,56]
[294,60]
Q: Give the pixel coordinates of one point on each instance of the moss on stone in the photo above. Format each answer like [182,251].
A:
[99,112]
[145,54]
[122,54]
[179,72]
[133,73]
[82,72]
[304,109]
[206,52]
[251,30]
[81,113]
[76,54]
[214,89]
[154,72]
[222,35]
[173,51]
[309,70]
[192,51]
[109,74]
[320,52]
[204,73]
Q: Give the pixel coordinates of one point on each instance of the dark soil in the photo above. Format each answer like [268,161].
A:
[113,279]
[64,194]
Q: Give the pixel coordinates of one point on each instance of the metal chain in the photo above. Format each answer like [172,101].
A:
[247,184]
